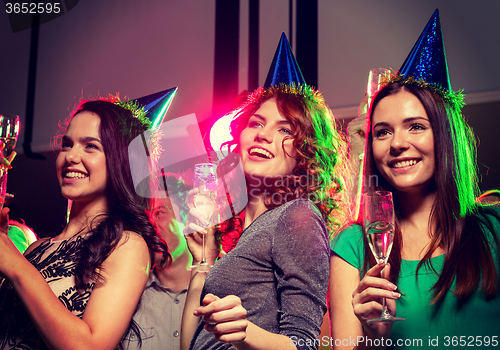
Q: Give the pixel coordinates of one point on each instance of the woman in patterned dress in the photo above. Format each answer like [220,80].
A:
[80,289]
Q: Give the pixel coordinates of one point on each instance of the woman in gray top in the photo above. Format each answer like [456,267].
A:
[269,290]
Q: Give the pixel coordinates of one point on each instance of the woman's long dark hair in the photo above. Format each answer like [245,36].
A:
[454,222]
[127,210]
[321,149]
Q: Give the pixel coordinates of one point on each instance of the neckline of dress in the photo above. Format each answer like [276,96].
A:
[74,237]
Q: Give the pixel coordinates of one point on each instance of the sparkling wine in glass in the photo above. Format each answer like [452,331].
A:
[205,178]
[9,132]
[376,78]
[380,238]
[378,219]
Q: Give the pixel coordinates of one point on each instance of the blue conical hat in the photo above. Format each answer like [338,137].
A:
[284,69]
[427,60]
[156,105]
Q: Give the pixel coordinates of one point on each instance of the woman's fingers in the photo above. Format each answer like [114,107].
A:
[368,310]
[376,270]
[375,294]
[217,310]
[225,318]
[372,278]
[6,162]
[196,222]
[213,304]
[190,196]
[231,337]
[195,213]
[228,332]
[234,313]
[391,306]
[209,298]
[4,220]
[192,228]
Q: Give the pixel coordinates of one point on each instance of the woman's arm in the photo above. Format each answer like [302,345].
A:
[353,302]
[345,326]
[193,234]
[189,320]
[110,306]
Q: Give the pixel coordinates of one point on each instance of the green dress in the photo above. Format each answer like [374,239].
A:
[474,324]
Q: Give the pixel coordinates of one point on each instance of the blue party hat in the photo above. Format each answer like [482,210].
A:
[156,105]
[427,60]
[284,69]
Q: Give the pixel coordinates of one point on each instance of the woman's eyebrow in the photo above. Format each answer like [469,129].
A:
[381,124]
[283,121]
[90,139]
[82,139]
[259,116]
[410,119]
[406,120]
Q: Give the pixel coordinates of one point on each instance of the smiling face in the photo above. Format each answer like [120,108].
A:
[403,142]
[266,143]
[81,164]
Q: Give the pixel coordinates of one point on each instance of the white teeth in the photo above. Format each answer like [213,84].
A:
[262,152]
[404,163]
[75,175]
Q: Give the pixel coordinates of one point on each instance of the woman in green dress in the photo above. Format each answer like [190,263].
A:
[443,271]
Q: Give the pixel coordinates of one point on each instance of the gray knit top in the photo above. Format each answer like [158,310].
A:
[279,269]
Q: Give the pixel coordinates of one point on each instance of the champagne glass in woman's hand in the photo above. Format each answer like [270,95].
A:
[9,131]
[205,200]
[378,220]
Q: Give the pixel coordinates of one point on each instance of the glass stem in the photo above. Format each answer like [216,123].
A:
[203,259]
[385,313]
[384,309]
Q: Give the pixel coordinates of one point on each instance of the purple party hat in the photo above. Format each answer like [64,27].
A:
[156,105]
[284,69]
[427,59]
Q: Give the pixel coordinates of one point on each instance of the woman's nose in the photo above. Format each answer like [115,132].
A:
[399,142]
[73,155]
[264,134]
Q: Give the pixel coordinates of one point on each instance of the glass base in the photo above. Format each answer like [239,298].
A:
[386,319]
[202,267]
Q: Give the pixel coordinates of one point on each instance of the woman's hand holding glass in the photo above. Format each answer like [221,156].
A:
[200,236]
[367,300]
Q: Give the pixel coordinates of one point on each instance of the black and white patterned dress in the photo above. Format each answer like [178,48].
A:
[56,261]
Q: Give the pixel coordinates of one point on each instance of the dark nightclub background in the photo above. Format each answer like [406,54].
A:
[212,50]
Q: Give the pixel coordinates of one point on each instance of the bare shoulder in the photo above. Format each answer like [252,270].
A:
[132,240]
[132,247]
[130,256]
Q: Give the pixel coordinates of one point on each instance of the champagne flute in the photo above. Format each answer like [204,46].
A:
[9,132]
[205,176]
[376,78]
[378,222]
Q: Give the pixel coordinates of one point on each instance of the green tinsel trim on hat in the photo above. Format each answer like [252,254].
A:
[306,91]
[455,98]
[153,137]
[137,111]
